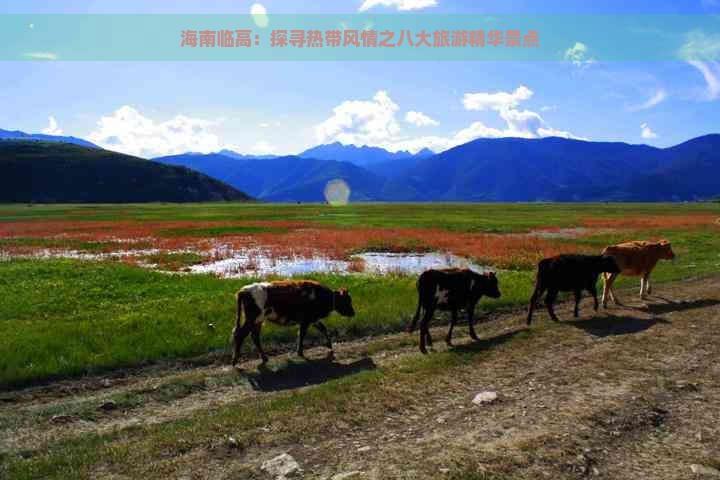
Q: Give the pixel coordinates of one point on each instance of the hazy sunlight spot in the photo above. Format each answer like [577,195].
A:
[337,192]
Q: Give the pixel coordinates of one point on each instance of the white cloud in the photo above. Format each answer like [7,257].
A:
[419,119]
[658,97]
[711,72]
[496,100]
[264,125]
[363,122]
[42,55]
[578,55]
[702,50]
[646,132]
[52,128]
[263,148]
[373,123]
[548,108]
[126,130]
[520,123]
[700,46]
[399,4]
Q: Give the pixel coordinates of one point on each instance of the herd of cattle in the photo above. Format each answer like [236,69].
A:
[306,303]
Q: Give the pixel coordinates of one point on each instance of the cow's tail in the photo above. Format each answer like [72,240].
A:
[238,314]
[239,301]
[238,319]
[411,326]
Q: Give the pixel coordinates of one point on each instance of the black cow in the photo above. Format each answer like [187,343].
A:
[450,289]
[569,273]
[302,302]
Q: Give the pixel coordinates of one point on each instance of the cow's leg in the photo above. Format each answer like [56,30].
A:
[642,288]
[549,301]
[610,292]
[256,340]
[304,324]
[239,337]
[453,320]
[605,277]
[324,331]
[648,287]
[539,290]
[471,321]
[411,328]
[593,292]
[425,338]
[578,296]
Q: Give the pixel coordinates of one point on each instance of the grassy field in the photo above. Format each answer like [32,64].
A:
[65,318]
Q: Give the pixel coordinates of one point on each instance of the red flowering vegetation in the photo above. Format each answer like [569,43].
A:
[505,251]
[356,265]
[663,222]
[218,240]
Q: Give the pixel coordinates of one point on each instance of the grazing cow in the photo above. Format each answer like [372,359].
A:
[451,290]
[290,302]
[569,273]
[635,259]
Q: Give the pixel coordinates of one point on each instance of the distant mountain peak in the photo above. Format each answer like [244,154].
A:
[19,135]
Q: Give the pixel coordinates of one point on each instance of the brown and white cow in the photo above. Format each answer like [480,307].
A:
[288,302]
[635,259]
[450,289]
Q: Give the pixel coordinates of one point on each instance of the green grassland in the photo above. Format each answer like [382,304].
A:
[449,216]
[61,318]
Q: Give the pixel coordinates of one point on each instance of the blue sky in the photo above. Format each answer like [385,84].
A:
[156,108]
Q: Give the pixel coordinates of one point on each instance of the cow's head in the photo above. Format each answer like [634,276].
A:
[608,264]
[665,250]
[488,282]
[343,303]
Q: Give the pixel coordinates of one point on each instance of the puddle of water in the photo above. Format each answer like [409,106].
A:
[415,263]
[256,264]
[259,264]
[77,255]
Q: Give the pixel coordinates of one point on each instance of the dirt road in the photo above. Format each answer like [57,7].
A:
[631,392]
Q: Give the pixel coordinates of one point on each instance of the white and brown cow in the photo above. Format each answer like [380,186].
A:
[288,302]
[635,259]
[450,289]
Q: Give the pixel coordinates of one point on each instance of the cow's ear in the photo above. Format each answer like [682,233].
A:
[343,291]
[664,242]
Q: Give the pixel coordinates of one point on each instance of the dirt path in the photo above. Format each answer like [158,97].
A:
[631,392]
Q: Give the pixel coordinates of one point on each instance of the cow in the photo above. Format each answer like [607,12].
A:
[569,273]
[288,302]
[450,289]
[635,259]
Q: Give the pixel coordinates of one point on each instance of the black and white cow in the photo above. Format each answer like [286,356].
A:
[302,302]
[450,289]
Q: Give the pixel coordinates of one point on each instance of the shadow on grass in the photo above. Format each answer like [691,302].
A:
[488,343]
[297,374]
[615,325]
[670,306]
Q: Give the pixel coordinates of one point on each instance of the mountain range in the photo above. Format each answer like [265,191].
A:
[6,135]
[50,172]
[498,169]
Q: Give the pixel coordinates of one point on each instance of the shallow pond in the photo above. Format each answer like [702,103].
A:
[257,264]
